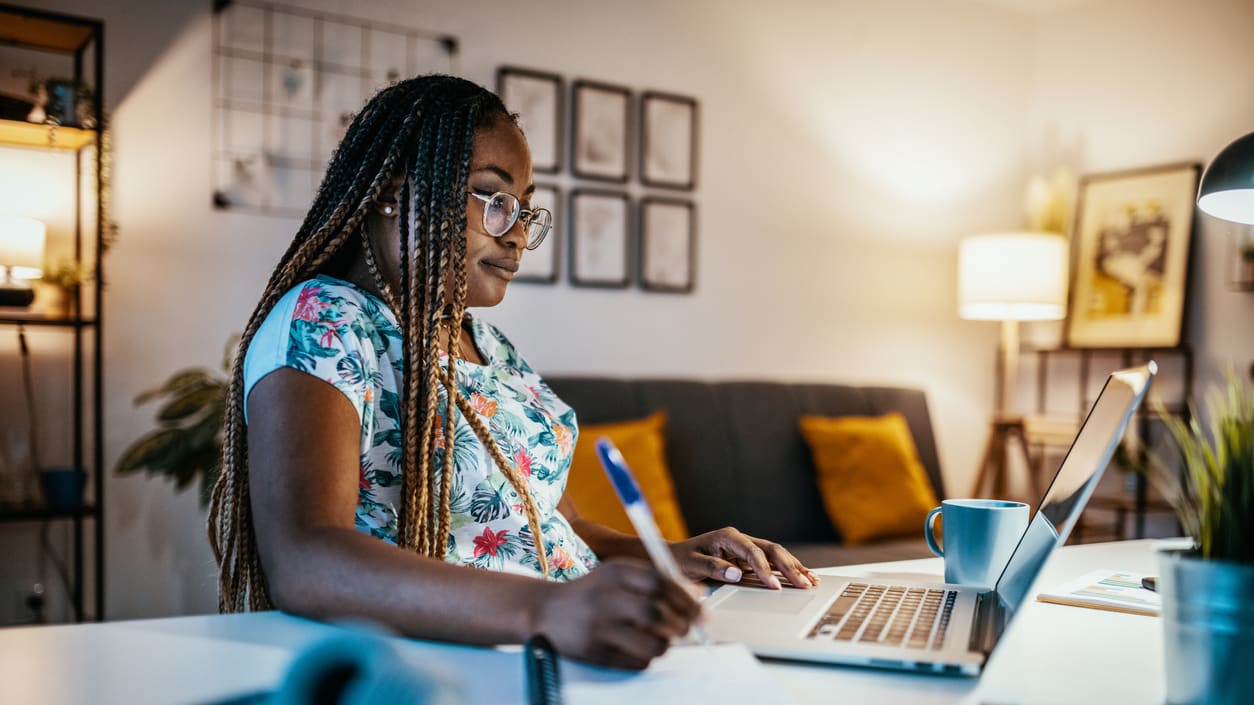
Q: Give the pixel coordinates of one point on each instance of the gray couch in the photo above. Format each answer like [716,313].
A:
[738,458]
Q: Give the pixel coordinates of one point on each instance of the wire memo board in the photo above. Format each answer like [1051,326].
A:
[287,82]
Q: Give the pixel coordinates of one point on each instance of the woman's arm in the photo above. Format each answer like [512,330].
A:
[304,464]
[715,555]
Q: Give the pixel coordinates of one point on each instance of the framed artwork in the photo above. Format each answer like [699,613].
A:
[1130,255]
[537,98]
[668,141]
[600,242]
[540,265]
[668,245]
[599,140]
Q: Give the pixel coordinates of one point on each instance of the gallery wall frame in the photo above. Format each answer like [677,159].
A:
[600,238]
[542,265]
[1130,256]
[539,99]
[668,244]
[668,140]
[600,136]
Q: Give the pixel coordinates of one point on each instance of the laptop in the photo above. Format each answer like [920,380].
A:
[930,627]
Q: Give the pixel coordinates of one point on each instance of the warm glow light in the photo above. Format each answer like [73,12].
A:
[1013,277]
[1234,205]
[22,246]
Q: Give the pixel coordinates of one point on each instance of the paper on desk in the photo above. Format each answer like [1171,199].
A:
[724,673]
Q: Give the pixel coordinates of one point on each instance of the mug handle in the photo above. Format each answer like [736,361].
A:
[929,525]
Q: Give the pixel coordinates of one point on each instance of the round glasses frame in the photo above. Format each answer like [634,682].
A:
[540,217]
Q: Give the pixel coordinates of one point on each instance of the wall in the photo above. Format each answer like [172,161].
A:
[844,152]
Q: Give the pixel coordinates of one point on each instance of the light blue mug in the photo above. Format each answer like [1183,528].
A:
[979,536]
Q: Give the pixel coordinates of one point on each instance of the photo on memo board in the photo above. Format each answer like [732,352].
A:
[599,138]
[540,266]
[537,98]
[668,245]
[668,141]
[1130,255]
[600,242]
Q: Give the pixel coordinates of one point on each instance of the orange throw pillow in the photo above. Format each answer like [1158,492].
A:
[643,446]
[869,475]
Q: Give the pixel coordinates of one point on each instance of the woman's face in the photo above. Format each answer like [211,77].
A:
[501,161]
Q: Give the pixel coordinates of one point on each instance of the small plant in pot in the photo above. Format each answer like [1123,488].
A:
[1208,590]
[187,444]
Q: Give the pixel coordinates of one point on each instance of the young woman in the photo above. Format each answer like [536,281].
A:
[382,445]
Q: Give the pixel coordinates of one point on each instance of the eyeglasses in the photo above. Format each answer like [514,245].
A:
[502,210]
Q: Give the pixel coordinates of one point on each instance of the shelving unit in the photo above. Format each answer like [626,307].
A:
[1177,368]
[81,40]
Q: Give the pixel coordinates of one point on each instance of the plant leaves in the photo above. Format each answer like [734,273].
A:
[191,402]
[177,382]
[148,448]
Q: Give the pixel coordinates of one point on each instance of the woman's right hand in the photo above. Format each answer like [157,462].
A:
[623,614]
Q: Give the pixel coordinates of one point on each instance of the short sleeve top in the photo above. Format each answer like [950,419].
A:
[349,338]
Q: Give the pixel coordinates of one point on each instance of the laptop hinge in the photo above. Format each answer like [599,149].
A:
[990,620]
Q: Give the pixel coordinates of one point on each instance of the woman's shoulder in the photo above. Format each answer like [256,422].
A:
[502,349]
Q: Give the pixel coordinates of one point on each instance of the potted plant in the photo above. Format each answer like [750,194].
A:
[1207,590]
[187,443]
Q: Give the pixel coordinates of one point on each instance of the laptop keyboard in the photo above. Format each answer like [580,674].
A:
[891,615]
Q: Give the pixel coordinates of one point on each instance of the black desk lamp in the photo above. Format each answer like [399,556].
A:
[1227,190]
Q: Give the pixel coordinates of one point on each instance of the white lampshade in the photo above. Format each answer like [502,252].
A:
[1013,277]
[22,246]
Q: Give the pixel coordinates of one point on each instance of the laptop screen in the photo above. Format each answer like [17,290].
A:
[1075,480]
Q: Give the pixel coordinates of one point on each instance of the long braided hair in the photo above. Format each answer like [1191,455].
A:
[421,131]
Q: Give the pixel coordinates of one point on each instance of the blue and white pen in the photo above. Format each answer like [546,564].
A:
[642,518]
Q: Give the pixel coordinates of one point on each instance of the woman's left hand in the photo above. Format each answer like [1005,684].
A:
[719,555]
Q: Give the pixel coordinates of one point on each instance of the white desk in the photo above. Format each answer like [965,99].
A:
[1051,654]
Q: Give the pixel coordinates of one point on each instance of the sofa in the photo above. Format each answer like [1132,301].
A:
[737,457]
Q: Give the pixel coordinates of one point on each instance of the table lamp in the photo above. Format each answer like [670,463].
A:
[1010,277]
[1227,188]
[21,258]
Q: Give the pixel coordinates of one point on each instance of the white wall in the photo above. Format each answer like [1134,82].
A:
[845,148]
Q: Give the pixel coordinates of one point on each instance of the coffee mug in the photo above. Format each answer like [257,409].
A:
[979,536]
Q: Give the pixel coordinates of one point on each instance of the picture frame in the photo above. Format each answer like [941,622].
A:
[668,245]
[537,97]
[540,266]
[1130,258]
[600,138]
[668,140]
[600,239]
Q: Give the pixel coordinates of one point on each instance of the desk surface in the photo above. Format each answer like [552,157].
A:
[1051,654]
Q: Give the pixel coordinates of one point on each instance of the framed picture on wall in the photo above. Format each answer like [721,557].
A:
[599,138]
[537,98]
[1130,255]
[668,140]
[600,238]
[541,264]
[668,245]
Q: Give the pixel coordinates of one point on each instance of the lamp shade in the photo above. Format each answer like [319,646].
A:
[22,246]
[1013,277]
[1227,190]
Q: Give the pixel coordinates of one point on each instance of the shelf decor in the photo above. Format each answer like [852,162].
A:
[1131,258]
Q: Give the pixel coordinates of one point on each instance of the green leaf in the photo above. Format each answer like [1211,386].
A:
[191,402]
[177,383]
[148,448]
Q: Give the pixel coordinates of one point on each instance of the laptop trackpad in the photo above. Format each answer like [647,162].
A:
[784,602]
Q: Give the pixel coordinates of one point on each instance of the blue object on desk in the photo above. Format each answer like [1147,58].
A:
[642,518]
[544,682]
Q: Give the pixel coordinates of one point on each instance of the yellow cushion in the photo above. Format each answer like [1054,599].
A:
[643,446]
[869,474]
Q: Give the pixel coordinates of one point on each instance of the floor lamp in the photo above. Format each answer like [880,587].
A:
[1010,277]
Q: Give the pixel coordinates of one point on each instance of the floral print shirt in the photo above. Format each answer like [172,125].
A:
[341,334]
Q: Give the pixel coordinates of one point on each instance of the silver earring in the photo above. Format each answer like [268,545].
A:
[387,210]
